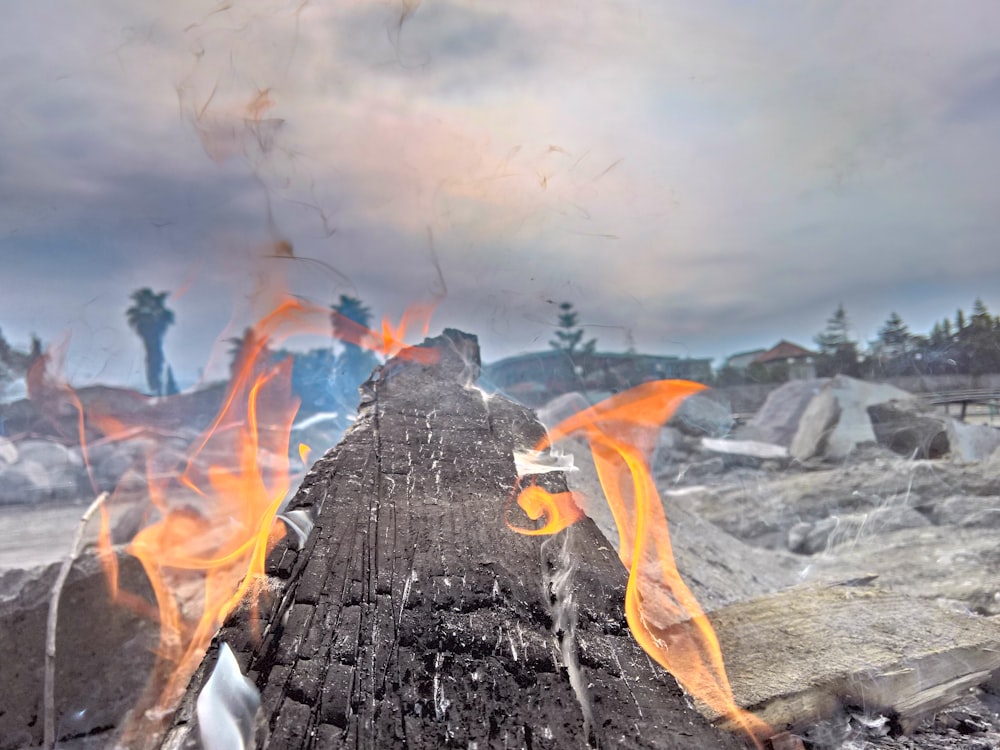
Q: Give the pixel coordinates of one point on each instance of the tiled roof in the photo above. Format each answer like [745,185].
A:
[784,350]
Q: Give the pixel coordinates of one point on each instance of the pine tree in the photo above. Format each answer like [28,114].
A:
[569,335]
[837,332]
[981,341]
[937,337]
[838,352]
[981,318]
[894,336]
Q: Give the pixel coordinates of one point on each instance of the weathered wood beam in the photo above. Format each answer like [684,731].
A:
[814,653]
[415,618]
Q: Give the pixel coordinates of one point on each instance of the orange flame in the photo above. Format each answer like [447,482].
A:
[390,341]
[215,543]
[214,519]
[662,613]
[205,554]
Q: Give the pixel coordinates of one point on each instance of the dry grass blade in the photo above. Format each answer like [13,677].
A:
[49,707]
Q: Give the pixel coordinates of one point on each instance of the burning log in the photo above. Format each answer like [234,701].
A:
[413,617]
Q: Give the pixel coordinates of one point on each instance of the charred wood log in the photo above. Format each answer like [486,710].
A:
[413,617]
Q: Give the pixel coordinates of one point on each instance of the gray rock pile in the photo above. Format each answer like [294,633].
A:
[34,471]
[829,418]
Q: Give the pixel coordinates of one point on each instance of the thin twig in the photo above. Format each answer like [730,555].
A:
[49,740]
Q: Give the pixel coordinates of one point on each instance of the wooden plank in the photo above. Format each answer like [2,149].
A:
[812,653]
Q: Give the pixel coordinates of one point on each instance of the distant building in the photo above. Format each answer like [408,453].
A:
[800,363]
[743,360]
[537,377]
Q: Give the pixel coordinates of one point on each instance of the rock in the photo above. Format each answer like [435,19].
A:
[8,452]
[906,428]
[971,442]
[913,429]
[48,453]
[754,450]
[24,482]
[66,477]
[112,461]
[718,568]
[103,651]
[954,560]
[944,565]
[702,469]
[982,511]
[836,420]
[703,414]
[810,538]
[830,418]
[128,521]
[70,482]
[671,440]
[777,421]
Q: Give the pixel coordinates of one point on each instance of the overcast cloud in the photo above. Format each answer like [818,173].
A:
[708,176]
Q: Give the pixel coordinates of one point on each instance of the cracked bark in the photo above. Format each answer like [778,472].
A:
[414,618]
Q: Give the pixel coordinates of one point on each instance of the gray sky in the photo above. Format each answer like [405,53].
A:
[710,176]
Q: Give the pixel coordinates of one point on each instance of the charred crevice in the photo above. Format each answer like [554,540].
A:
[415,618]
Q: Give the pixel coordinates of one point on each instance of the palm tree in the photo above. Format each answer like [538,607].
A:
[249,345]
[354,364]
[149,317]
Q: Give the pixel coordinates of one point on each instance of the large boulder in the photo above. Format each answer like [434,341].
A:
[915,430]
[778,419]
[836,420]
[910,429]
[971,442]
[705,413]
[820,418]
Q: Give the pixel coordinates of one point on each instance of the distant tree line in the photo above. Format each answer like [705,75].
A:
[965,345]
[323,379]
